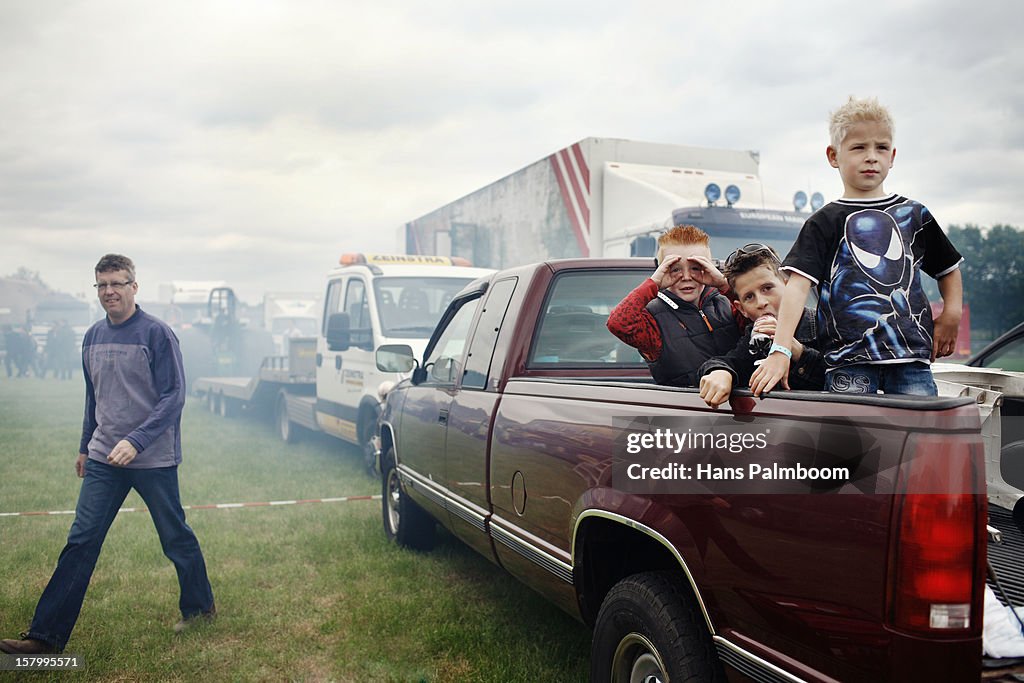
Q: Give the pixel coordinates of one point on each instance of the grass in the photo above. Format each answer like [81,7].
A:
[304,593]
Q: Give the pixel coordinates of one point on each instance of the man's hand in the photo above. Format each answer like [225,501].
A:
[715,387]
[80,465]
[947,326]
[124,452]
[773,369]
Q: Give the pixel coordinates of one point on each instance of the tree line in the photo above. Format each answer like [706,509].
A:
[993,275]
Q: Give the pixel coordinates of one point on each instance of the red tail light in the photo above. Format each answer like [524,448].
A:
[937,558]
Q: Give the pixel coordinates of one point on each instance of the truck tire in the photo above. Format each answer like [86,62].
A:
[405,522]
[211,402]
[288,430]
[367,443]
[649,630]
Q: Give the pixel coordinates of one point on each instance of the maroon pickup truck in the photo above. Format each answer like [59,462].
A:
[801,537]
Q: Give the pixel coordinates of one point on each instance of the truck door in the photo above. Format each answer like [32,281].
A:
[358,366]
[469,420]
[424,425]
[341,373]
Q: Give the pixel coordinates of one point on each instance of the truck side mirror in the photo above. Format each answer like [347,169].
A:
[395,358]
[338,337]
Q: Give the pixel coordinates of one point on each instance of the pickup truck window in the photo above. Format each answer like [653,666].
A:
[444,365]
[572,331]
[481,349]
[410,307]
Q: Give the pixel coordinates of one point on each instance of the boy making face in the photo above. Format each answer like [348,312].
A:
[753,274]
[684,269]
[677,318]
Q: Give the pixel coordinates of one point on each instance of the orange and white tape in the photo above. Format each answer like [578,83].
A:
[212,506]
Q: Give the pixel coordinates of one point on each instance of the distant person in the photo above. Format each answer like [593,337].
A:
[131,438]
[753,275]
[863,253]
[10,349]
[25,351]
[679,317]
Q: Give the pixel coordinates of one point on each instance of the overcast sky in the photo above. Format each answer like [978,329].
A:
[254,140]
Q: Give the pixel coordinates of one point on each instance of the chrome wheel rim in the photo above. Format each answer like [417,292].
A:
[636,660]
[393,497]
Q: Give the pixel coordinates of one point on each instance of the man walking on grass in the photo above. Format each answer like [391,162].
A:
[131,438]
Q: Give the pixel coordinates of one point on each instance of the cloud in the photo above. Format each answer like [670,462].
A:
[254,141]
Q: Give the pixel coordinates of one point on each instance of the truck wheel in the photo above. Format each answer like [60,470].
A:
[405,522]
[368,442]
[211,402]
[648,630]
[288,430]
[228,408]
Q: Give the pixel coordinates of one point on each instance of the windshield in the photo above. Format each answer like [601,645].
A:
[410,307]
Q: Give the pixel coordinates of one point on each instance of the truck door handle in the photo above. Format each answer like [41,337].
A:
[442,416]
[337,362]
[319,359]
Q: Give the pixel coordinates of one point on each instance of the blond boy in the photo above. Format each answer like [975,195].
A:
[863,253]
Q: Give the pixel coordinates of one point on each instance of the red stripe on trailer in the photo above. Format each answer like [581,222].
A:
[567,199]
[577,152]
[581,199]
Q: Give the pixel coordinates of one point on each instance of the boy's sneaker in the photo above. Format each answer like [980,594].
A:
[189,622]
[27,646]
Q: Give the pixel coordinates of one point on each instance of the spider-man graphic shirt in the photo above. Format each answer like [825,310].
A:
[864,257]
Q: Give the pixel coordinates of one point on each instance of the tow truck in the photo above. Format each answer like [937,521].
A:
[330,383]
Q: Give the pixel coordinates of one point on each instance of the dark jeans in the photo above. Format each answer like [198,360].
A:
[103,491]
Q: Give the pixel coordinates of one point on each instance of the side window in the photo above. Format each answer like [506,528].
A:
[445,362]
[573,330]
[358,314]
[332,304]
[481,349]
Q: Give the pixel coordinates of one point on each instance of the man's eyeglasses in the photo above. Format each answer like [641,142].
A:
[752,248]
[116,286]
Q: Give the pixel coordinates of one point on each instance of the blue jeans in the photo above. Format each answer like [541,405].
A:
[892,378]
[103,491]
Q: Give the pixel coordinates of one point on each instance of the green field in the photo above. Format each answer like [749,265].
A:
[307,592]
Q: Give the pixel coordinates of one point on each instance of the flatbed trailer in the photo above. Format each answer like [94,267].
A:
[279,376]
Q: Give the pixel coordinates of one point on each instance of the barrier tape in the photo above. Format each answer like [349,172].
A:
[212,506]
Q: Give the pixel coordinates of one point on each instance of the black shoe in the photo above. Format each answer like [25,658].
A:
[27,646]
[189,622]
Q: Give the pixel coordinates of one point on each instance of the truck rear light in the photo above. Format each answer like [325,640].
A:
[937,555]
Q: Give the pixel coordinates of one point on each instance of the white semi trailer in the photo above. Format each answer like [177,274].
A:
[607,197]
